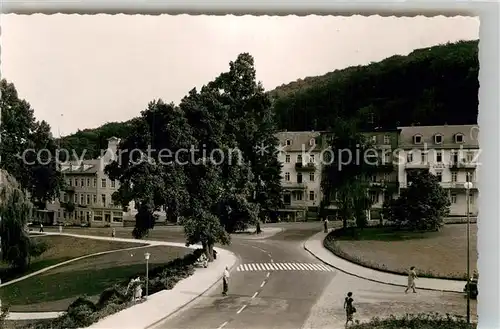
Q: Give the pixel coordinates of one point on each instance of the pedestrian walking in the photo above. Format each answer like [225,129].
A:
[325,225]
[41,227]
[113,233]
[225,281]
[412,275]
[349,308]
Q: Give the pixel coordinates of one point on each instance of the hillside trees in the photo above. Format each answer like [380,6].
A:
[434,86]
[28,150]
[430,86]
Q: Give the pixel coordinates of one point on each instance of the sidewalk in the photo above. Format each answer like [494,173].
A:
[164,303]
[314,245]
[159,305]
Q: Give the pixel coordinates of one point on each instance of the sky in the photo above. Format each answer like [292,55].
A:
[81,71]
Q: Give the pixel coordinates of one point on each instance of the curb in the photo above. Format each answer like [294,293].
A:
[236,262]
[363,277]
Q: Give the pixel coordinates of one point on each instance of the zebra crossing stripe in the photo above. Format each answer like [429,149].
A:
[251,267]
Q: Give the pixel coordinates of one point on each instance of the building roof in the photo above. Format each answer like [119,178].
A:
[448,132]
[82,168]
[299,140]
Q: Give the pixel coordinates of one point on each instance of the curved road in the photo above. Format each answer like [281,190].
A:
[278,292]
[280,285]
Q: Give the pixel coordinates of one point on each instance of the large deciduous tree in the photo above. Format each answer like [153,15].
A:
[149,164]
[421,206]
[251,120]
[28,150]
[346,171]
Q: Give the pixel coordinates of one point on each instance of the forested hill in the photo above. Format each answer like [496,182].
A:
[430,86]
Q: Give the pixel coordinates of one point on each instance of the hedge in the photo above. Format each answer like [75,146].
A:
[418,321]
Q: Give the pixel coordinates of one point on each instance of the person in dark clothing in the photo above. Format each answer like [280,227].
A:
[349,308]
[225,281]
[325,225]
[215,254]
[41,227]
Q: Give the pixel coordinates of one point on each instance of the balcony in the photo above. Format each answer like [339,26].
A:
[457,185]
[299,166]
[447,185]
[293,185]
[68,189]
[417,165]
[463,165]
[384,185]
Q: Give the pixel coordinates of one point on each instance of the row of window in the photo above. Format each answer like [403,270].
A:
[85,182]
[86,216]
[454,177]
[439,157]
[299,196]
[453,198]
[299,158]
[86,199]
[438,138]
[313,141]
[299,177]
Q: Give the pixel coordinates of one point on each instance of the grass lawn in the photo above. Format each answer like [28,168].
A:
[434,254]
[55,289]
[63,248]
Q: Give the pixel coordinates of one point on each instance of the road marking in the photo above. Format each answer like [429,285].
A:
[241,309]
[222,325]
[268,274]
[254,295]
[284,267]
[262,284]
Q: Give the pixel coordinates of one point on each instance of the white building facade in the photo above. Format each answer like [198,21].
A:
[450,152]
[300,154]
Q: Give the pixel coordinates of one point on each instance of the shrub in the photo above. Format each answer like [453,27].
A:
[418,321]
[37,248]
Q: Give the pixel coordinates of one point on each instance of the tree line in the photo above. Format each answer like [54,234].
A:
[430,86]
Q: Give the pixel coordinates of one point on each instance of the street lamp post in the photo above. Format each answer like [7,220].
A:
[146,256]
[468,186]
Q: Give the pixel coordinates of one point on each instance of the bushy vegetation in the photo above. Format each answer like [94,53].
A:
[83,312]
[422,206]
[418,321]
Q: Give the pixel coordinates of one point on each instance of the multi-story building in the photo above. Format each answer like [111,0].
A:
[384,183]
[87,197]
[300,153]
[449,152]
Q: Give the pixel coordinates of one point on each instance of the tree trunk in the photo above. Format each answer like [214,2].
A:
[210,252]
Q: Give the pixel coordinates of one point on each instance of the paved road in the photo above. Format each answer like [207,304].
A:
[279,292]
